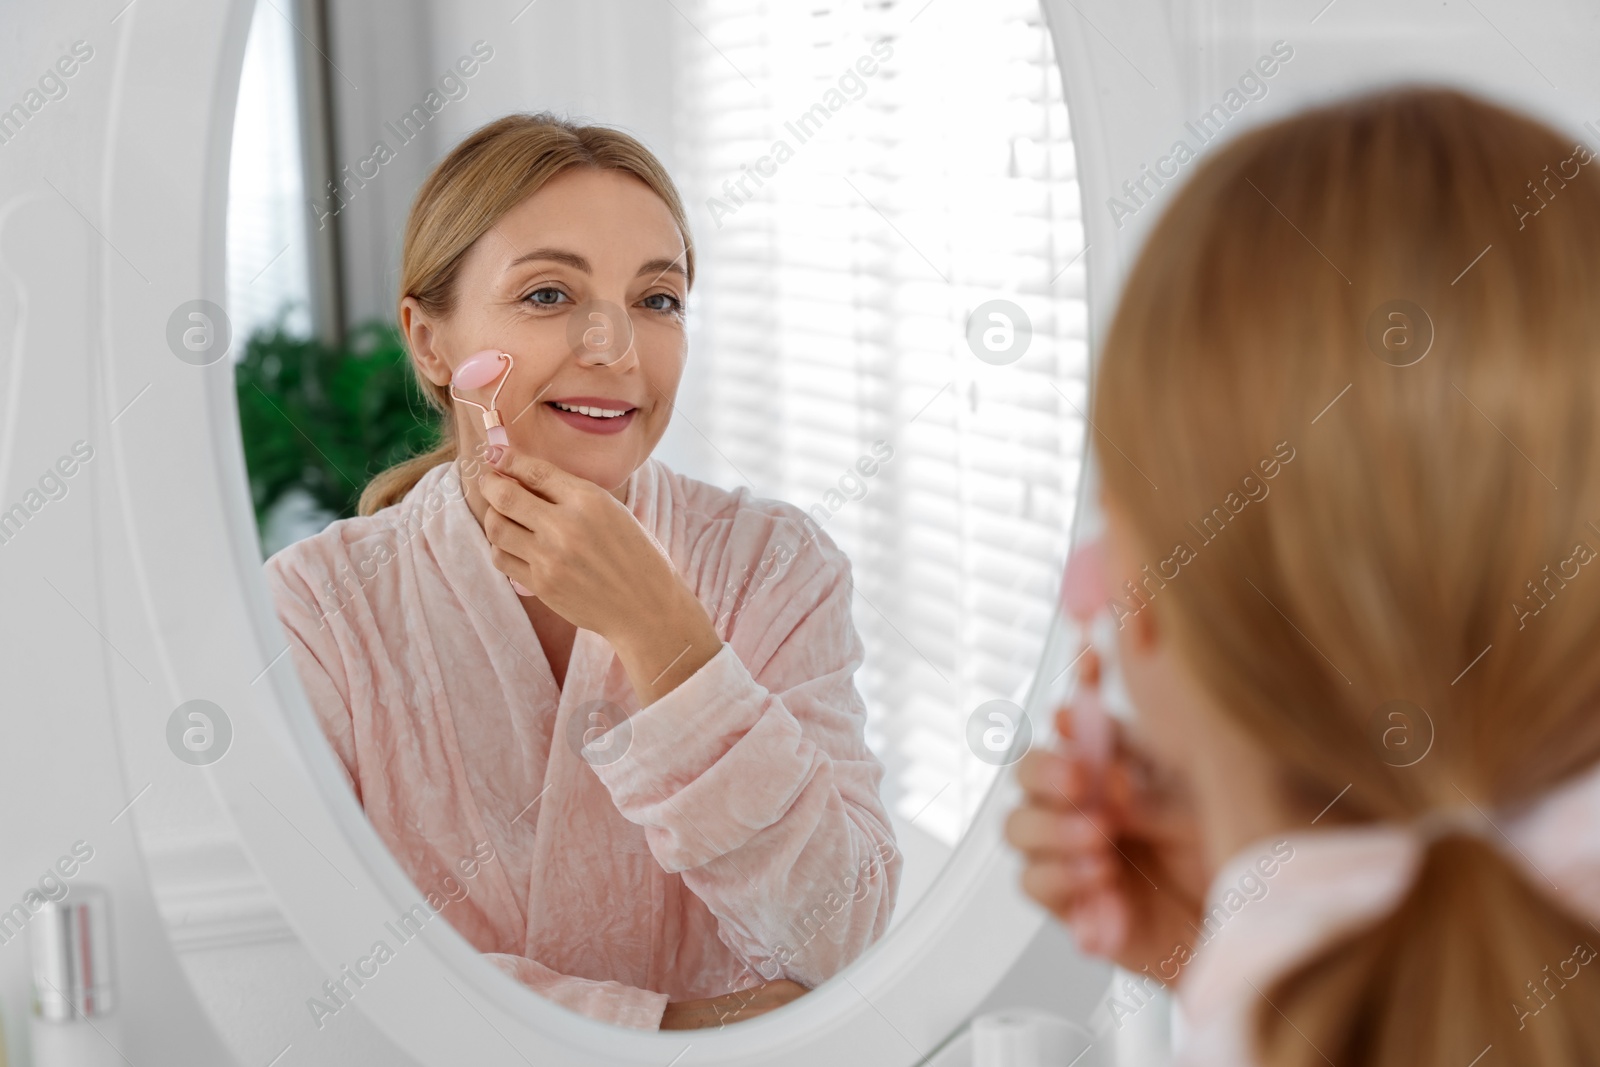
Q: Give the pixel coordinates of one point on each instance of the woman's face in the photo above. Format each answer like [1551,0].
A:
[584,284]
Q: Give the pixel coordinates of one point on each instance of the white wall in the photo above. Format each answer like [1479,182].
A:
[60,774]
[62,777]
[606,61]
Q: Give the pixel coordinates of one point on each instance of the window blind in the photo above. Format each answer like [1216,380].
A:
[842,251]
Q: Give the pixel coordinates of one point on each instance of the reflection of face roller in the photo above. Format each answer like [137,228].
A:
[475,372]
[1083,595]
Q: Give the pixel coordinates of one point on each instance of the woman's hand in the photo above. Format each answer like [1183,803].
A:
[1124,871]
[582,553]
[730,1007]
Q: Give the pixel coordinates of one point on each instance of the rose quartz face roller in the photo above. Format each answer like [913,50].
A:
[475,372]
[1084,596]
[1101,922]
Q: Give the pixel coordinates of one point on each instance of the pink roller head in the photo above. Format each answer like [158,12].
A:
[478,370]
[1083,587]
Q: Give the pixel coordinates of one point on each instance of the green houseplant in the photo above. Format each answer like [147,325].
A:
[324,419]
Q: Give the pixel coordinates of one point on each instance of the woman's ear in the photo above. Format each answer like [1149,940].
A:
[422,339]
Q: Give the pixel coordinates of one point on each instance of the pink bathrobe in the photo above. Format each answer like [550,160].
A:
[739,839]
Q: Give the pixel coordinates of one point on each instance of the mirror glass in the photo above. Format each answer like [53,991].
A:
[886,331]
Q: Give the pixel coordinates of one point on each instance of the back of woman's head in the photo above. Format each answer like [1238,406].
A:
[1427,540]
[491,171]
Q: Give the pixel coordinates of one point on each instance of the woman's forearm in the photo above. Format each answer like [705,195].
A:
[664,642]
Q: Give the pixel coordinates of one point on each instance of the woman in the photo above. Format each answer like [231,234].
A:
[1357,820]
[682,816]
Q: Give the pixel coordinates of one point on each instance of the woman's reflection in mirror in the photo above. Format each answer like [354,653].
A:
[684,814]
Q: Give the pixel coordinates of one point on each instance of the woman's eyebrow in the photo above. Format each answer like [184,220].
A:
[556,255]
[657,267]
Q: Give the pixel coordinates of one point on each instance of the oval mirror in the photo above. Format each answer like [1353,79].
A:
[885,361]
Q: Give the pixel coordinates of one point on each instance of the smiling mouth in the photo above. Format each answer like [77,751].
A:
[590,410]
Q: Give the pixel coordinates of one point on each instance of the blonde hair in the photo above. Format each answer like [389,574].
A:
[495,168]
[1418,543]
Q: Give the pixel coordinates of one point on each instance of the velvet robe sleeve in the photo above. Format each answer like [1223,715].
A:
[752,780]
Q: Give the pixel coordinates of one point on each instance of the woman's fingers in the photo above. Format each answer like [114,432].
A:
[1093,907]
[1140,794]
[514,567]
[512,499]
[512,522]
[1052,778]
[1072,867]
[1089,831]
[1059,885]
[539,476]
[1045,830]
[513,550]
[1067,855]
[1065,781]
[1100,923]
[505,531]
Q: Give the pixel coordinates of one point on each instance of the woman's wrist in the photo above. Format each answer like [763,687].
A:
[665,642]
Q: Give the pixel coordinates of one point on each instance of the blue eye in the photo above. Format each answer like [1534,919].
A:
[538,296]
[672,304]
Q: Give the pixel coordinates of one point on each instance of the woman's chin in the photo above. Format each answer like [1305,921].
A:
[608,464]
[608,474]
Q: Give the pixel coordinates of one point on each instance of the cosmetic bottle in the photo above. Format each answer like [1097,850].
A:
[75,1021]
[1028,1037]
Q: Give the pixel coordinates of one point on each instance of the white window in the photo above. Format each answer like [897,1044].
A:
[848,223]
[926,168]
[266,247]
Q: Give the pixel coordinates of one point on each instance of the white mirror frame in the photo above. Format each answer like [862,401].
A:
[194,586]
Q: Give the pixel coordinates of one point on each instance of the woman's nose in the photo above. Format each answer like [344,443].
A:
[601,335]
